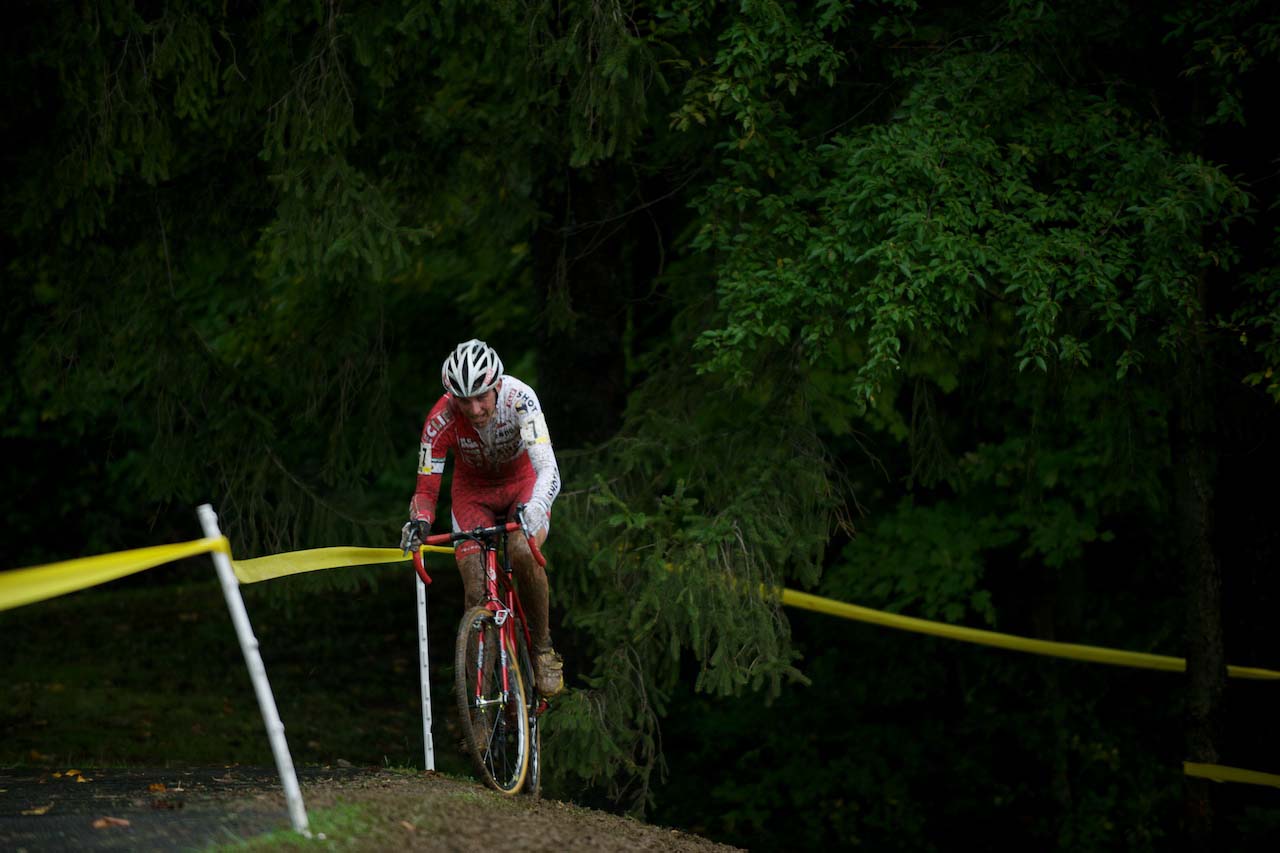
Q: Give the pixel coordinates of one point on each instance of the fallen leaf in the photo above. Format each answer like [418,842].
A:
[83,779]
[156,786]
[38,809]
[73,772]
[408,826]
[104,822]
[57,775]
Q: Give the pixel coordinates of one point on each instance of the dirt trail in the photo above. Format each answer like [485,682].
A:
[359,809]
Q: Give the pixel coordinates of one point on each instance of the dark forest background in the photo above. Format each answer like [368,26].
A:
[967,311]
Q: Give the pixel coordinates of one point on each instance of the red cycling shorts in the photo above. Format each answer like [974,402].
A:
[478,501]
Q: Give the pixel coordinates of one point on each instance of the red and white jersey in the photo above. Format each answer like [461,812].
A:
[514,441]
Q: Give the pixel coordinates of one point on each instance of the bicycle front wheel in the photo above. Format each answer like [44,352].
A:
[493,710]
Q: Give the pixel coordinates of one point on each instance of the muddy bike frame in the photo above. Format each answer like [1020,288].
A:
[503,601]
[499,599]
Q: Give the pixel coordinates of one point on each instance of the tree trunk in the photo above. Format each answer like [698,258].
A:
[1194,468]
[584,282]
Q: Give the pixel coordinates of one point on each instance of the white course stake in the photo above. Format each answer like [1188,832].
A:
[257,674]
[424,672]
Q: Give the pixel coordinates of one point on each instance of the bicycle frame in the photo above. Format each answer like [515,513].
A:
[485,703]
[502,600]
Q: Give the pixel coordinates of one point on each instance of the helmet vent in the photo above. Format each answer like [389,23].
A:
[473,368]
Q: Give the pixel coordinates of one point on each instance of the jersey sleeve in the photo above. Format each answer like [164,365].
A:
[438,436]
[537,443]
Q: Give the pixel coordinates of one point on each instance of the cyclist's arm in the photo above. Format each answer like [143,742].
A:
[438,435]
[537,443]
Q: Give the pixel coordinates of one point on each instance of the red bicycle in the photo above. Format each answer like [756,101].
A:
[498,699]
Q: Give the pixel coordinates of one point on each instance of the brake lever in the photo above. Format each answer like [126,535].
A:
[533,544]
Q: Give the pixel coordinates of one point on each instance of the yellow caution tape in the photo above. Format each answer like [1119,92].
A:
[315,559]
[1094,654]
[37,583]
[1218,773]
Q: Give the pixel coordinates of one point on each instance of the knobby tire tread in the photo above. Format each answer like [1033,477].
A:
[533,786]
[475,621]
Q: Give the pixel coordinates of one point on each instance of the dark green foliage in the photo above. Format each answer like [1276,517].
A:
[994,196]
[222,251]
[934,740]
[683,577]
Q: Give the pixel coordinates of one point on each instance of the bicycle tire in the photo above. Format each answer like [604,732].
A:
[495,727]
[532,787]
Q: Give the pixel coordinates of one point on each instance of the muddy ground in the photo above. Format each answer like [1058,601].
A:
[356,808]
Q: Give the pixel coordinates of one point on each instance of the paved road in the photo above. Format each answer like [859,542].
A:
[167,809]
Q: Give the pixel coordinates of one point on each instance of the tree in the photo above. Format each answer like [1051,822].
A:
[924,307]
[1022,211]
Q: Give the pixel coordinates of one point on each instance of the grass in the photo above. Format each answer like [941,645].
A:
[332,828]
[429,811]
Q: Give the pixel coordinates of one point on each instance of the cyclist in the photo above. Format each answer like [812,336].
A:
[502,460]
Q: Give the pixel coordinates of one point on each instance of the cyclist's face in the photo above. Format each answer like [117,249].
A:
[478,409]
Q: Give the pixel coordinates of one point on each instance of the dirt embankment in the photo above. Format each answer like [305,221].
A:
[356,809]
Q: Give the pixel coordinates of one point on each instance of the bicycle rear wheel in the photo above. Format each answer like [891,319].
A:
[532,787]
[495,722]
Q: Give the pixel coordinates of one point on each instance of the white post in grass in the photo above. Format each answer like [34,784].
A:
[424,672]
[257,674]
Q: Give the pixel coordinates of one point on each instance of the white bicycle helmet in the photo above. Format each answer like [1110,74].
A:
[473,368]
